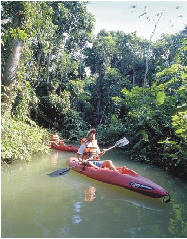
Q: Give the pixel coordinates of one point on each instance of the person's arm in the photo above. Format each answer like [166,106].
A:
[80,151]
[79,157]
[102,153]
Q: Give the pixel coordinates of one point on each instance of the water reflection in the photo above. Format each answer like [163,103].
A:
[54,159]
[177,225]
[76,219]
[114,193]
[77,208]
[89,194]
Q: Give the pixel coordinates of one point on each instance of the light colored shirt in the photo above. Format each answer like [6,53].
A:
[83,146]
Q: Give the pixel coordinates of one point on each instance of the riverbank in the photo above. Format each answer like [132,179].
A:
[20,139]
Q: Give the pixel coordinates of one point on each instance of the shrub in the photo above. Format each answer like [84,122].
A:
[20,140]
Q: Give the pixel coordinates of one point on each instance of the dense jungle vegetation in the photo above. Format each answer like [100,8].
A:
[56,75]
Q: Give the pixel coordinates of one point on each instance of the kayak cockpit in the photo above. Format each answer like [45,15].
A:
[125,170]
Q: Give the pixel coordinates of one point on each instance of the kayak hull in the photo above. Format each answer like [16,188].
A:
[67,148]
[125,177]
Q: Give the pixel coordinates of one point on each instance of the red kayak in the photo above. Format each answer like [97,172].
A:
[67,148]
[125,177]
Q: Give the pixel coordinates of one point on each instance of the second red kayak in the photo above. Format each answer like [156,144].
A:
[125,177]
[67,148]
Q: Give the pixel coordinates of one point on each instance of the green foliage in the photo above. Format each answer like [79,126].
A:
[160,98]
[60,103]
[155,121]
[18,34]
[77,87]
[20,140]
[111,130]
[25,102]
[74,127]
[175,147]
[101,52]
[179,123]
[74,23]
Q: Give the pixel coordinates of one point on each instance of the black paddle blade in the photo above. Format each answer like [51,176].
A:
[59,172]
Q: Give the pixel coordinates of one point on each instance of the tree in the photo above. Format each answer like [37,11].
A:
[25,21]
[14,12]
[98,58]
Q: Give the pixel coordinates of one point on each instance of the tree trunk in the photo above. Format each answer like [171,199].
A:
[9,74]
[48,59]
[99,93]
[133,79]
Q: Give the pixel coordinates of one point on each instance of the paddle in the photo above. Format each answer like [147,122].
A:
[63,171]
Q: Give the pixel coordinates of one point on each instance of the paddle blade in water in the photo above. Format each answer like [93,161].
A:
[121,142]
[59,172]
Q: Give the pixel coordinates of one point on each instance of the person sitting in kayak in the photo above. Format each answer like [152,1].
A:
[55,140]
[90,150]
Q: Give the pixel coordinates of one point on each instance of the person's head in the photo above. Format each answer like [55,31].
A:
[91,134]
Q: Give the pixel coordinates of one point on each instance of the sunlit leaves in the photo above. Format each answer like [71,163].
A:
[20,140]
[160,97]
[179,122]
[157,118]
[60,103]
[17,33]
[76,87]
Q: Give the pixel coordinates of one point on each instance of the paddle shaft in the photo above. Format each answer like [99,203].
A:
[106,150]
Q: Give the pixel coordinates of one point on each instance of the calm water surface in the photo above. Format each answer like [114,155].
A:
[36,205]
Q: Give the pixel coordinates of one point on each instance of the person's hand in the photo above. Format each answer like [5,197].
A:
[96,158]
[103,152]
[79,158]
[93,158]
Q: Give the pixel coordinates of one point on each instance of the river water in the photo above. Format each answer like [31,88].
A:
[37,206]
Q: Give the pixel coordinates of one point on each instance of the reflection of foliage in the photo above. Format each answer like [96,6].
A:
[177,224]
